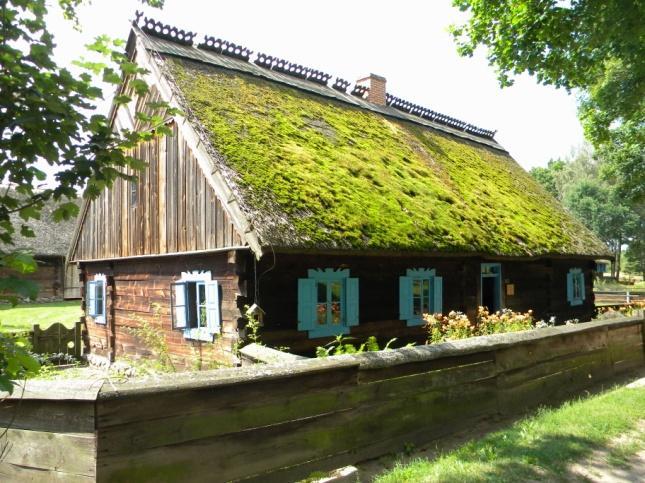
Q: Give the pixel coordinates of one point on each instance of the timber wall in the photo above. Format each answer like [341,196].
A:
[538,284]
[140,290]
[49,277]
[170,208]
[281,422]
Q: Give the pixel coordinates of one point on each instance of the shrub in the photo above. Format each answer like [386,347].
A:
[340,346]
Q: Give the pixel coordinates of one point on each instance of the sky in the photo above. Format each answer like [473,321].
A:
[405,41]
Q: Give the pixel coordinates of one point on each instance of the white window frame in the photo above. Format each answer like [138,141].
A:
[211,306]
[99,282]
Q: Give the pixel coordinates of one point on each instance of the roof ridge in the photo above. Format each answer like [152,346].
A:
[273,63]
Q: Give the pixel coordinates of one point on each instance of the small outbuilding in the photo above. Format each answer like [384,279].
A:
[335,207]
[56,279]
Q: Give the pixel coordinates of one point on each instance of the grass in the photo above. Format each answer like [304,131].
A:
[25,316]
[539,447]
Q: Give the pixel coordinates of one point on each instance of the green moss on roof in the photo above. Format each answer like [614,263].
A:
[316,172]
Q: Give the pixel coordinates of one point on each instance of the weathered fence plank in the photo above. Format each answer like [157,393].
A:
[56,339]
[279,422]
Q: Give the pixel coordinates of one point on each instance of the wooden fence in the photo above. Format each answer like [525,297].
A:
[612,297]
[57,338]
[280,422]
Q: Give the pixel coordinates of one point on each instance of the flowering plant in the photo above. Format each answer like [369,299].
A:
[504,320]
[453,326]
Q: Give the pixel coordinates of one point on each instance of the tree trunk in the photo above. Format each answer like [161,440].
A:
[618,253]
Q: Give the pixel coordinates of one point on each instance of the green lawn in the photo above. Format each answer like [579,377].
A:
[538,448]
[25,316]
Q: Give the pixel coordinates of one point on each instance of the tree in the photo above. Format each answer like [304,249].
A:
[47,113]
[596,47]
[577,182]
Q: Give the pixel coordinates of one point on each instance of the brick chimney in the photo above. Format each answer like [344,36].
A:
[376,85]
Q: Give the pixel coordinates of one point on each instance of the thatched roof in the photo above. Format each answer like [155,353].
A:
[52,238]
[314,168]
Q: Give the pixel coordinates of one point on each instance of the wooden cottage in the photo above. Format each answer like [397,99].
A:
[56,279]
[335,207]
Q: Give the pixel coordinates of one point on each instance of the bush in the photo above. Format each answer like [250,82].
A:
[340,346]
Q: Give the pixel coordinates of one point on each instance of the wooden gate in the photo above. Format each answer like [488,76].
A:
[56,339]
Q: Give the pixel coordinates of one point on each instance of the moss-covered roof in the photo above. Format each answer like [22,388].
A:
[315,172]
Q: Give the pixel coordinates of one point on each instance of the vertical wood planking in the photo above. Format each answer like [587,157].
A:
[176,209]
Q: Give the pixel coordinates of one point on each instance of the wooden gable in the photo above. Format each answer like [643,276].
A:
[170,209]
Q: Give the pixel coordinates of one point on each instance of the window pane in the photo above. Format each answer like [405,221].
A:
[321,314]
[425,306]
[417,289]
[201,305]
[99,299]
[335,313]
[322,292]
[336,290]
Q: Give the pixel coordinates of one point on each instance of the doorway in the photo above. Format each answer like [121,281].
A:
[491,287]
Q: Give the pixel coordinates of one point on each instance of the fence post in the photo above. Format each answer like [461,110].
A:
[78,339]
[628,298]
[35,338]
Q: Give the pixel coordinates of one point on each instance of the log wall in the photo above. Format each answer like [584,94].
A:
[49,277]
[139,290]
[275,422]
[170,208]
[539,285]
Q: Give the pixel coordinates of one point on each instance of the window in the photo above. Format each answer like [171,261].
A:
[134,193]
[420,292]
[195,306]
[575,286]
[95,299]
[327,302]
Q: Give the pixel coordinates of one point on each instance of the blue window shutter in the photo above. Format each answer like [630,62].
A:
[91,298]
[351,301]
[405,298]
[437,306]
[212,307]
[178,305]
[582,285]
[306,303]
[570,287]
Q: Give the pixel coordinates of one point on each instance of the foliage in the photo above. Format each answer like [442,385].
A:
[596,47]
[539,447]
[340,345]
[148,332]
[15,361]
[453,326]
[579,183]
[627,310]
[456,325]
[504,320]
[322,172]
[47,115]
[253,325]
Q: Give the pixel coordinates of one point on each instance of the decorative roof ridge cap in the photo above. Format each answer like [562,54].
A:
[273,63]
[434,116]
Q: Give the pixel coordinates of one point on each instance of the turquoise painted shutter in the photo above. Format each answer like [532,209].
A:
[570,287]
[306,303]
[437,307]
[178,305]
[405,298]
[212,307]
[91,298]
[351,300]
[582,285]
